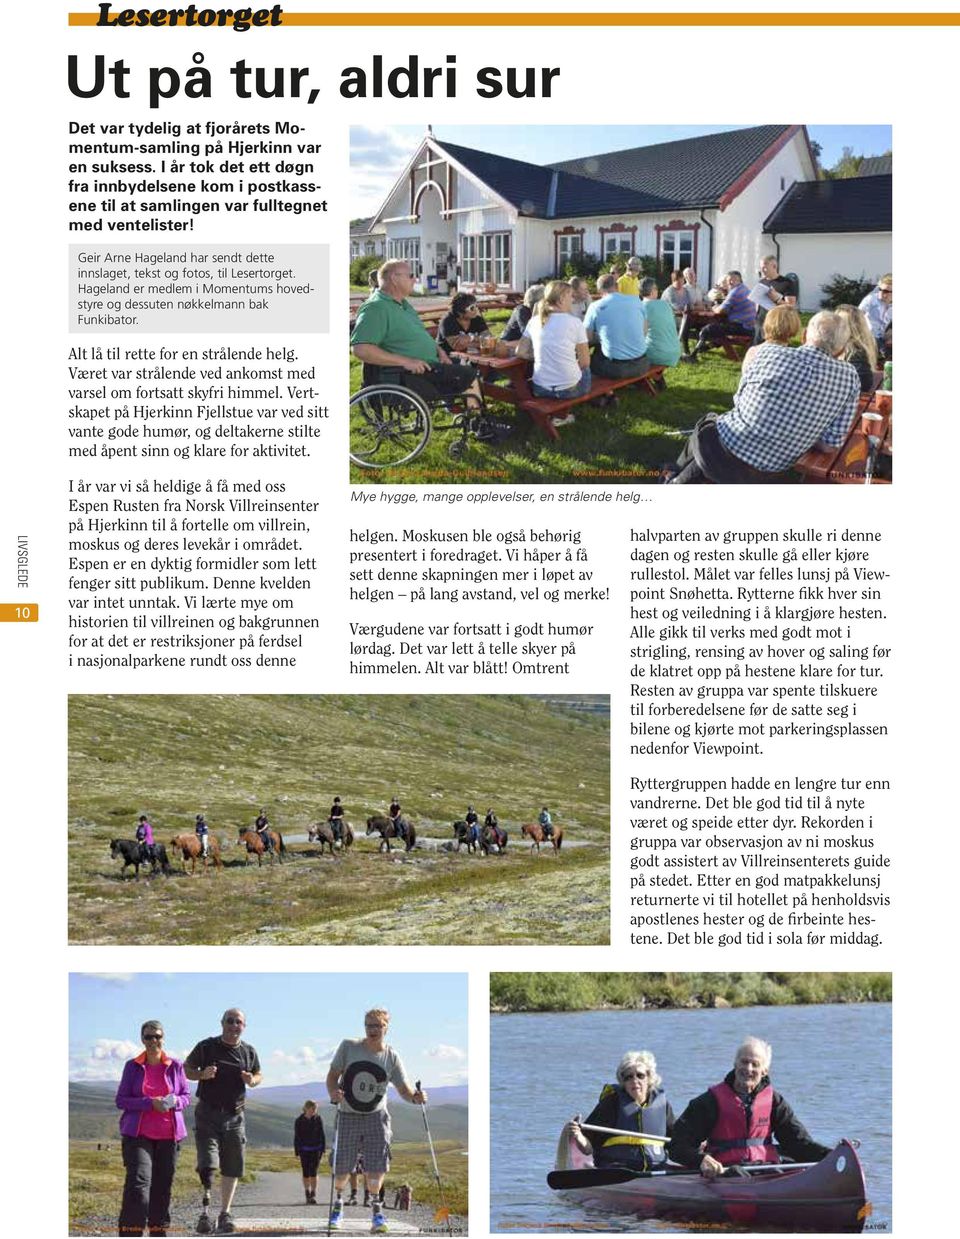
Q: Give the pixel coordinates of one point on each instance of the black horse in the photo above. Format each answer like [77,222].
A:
[324,832]
[466,834]
[388,829]
[493,839]
[136,853]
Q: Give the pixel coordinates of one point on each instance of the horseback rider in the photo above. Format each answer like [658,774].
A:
[202,831]
[144,837]
[472,820]
[262,827]
[335,820]
[398,820]
[490,823]
[546,823]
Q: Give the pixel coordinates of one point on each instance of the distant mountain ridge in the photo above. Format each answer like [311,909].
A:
[270,1114]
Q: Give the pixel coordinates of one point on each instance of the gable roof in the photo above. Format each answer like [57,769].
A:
[688,173]
[855,204]
[876,165]
[670,176]
[362,227]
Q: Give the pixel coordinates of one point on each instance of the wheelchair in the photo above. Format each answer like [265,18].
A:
[391,424]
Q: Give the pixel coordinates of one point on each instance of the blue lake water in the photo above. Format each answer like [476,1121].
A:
[832,1063]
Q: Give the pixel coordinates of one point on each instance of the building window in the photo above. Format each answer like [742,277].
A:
[614,244]
[409,249]
[676,250]
[567,247]
[354,249]
[485,258]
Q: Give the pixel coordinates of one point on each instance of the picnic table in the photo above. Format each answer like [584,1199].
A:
[508,379]
[847,464]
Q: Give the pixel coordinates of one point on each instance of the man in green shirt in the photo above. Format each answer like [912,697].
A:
[389,337]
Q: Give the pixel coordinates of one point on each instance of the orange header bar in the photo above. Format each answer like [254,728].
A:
[590,19]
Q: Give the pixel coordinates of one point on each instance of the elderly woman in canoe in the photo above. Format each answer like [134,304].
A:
[736,1121]
[636,1117]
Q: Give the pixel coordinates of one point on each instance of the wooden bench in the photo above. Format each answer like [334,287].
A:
[543,411]
[735,350]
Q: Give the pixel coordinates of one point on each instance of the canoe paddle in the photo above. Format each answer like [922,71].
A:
[620,1131]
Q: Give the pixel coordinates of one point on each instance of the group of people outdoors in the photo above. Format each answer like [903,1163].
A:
[154,1093]
[789,398]
[741,1120]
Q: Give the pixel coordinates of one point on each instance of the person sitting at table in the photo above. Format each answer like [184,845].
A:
[779,327]
[862,349]
[393,344]
[557,341]
[629,282]
[698,297]
[663,343]
[517,322]
[461,322]
[780,289]
[582,299]
[735,318]
[878,307]
[717,293]
[617,326]
[676,294]
[787,401]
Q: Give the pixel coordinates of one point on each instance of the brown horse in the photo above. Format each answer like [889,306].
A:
[493,838]
[189,848]
[387,829]
[324,832]
[534,831]
[257,847]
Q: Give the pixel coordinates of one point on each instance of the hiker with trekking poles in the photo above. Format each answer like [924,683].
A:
[360,1073]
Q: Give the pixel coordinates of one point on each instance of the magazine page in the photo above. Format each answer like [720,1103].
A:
[478,718]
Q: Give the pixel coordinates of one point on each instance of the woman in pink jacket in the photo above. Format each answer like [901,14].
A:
[152,1094]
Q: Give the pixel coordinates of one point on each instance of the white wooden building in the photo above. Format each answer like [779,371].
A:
[499,224]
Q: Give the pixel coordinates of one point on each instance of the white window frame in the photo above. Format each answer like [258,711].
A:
[674,261]
[407,248]
[485,258]
[616,244]
[568,244]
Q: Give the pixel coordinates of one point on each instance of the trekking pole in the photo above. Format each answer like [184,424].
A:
[443,1213]
[333,1163]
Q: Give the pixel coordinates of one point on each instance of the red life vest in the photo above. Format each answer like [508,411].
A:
[743,1130]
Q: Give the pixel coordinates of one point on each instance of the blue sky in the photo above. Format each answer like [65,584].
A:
[295,1020]
[377,156]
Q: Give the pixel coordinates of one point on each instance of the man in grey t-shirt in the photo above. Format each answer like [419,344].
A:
[359,1076]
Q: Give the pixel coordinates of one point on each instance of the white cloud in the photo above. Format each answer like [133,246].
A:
[305,1056]
[103,1060]
[117,978]
[449,1052]
[118,1051]
[377,157]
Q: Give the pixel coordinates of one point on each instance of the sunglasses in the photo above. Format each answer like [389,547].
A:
[634,1075]
[152,1037]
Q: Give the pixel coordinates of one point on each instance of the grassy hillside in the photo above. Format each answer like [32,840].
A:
[174,756]
[590,991]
